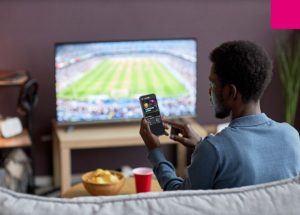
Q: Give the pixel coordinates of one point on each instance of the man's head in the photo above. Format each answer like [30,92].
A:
[240,73]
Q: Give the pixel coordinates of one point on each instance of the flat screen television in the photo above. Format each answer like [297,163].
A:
[102,81]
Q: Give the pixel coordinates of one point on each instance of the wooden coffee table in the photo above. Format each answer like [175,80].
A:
[78,190]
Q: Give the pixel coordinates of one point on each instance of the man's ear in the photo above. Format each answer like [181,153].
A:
[231,91]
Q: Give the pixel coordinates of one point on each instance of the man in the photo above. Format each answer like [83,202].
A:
[253,149]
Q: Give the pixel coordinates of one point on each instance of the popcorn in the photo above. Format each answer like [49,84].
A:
[101,176]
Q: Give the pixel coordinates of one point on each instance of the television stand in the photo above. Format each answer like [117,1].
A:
[70,128]
[110,136]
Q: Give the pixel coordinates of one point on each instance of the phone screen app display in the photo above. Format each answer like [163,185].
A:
[151,111]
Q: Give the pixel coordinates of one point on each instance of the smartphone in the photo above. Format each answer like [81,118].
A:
[151,113]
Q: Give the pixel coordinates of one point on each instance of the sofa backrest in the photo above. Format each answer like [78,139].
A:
[281,197]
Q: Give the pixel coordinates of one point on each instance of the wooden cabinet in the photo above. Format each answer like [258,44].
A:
[117,135]
[7,79]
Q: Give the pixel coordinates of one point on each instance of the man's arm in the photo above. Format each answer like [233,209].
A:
[201,172]
[165,172]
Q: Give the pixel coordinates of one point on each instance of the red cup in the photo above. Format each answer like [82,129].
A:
[143,179]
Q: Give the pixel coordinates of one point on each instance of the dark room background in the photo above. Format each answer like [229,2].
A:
[29,29]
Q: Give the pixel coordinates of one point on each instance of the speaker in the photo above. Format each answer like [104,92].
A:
[28,97]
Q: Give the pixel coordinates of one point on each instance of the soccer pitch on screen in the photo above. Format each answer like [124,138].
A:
[125,77]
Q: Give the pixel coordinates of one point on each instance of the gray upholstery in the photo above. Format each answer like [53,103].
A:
[281,197]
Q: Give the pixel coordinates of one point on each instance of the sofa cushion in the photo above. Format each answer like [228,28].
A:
[281,197]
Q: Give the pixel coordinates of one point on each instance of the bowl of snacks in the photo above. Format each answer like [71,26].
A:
[103,182]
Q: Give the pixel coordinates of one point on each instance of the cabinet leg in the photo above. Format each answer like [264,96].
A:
[65,170]
[181,160]
[56,161]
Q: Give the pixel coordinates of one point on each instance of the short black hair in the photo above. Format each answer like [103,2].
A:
[245,65]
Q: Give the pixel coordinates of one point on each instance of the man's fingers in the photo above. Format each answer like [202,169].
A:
[165,126]
[175,124]
[182,140]
[144,126]
[147,127]
[141,125]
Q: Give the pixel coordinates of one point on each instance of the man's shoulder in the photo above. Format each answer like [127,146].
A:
[219,137]
[228,134]
[284,127]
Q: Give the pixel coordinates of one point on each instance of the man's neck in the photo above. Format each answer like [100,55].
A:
[250,108]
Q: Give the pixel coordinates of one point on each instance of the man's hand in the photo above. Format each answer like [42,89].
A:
[151,141]
[183,133]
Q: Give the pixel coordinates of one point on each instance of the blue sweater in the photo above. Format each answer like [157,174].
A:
[251,150]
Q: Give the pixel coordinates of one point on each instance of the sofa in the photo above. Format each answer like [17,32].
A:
[280,197]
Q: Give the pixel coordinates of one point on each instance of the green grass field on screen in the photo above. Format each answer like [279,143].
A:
[125,78]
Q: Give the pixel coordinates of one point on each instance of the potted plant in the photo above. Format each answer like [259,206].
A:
[289,71]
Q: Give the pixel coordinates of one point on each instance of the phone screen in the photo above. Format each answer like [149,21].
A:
[151,113]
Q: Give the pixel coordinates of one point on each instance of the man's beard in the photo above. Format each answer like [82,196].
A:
[221,111]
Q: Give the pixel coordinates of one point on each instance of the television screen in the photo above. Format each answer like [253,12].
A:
[102,81]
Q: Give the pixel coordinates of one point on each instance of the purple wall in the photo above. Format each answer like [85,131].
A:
[29,29]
